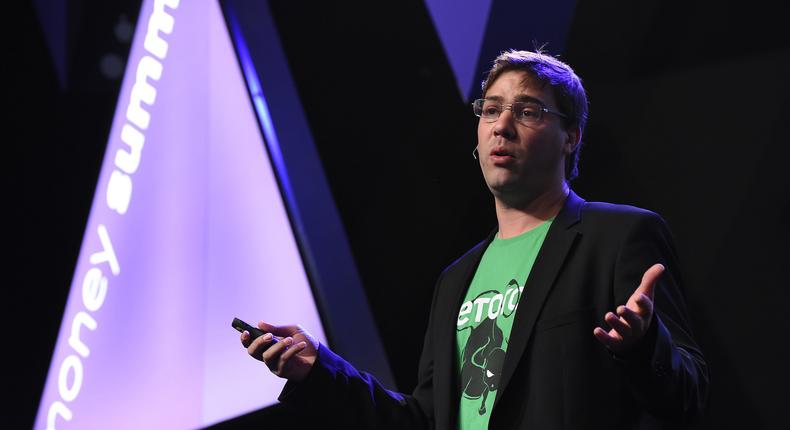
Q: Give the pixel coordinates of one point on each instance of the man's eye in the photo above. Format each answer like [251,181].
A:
[529,112]
[491,110]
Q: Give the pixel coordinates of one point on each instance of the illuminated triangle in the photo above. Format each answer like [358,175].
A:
[461,26]
[52,15]
[474,33]
[189,204]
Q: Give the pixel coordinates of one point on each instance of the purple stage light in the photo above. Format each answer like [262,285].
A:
[187,230]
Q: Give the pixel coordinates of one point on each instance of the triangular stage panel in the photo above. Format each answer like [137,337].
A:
[461,26]
[52,15]
[188,229]
[473,33]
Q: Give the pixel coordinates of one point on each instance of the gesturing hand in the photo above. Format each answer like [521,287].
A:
[291,357]
[633,319]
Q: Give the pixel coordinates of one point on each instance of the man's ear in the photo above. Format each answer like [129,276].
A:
[574,137]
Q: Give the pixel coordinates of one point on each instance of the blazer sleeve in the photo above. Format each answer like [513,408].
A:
[666,370]
[336,391]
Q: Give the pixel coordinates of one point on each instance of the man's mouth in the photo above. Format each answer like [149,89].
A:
[501,155]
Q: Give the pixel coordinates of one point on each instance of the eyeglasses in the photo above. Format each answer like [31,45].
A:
[525,112]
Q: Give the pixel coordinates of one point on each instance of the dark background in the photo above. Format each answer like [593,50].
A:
[688,117]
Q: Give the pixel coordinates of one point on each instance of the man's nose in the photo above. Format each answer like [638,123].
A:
[505,125]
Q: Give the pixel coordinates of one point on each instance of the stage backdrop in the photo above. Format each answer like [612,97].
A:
[187,230]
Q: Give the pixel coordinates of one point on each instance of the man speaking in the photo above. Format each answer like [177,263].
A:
[570,315]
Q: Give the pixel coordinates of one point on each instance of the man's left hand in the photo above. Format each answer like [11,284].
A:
[633,319]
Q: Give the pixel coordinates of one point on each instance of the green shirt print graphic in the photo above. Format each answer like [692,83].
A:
[485,320]
[484,353]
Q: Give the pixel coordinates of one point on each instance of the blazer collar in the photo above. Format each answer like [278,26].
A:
[558,242]
[571,211]
[569,215]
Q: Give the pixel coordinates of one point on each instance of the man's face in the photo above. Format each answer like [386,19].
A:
[519,159]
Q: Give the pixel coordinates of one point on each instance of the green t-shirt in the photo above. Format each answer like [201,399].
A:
[486,318]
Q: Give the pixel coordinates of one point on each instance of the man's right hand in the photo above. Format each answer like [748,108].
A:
[291,357]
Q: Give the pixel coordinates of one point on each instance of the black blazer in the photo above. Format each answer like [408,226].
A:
[556,375]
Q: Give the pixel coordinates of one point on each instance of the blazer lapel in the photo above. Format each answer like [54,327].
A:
[451,295]
[558,242]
